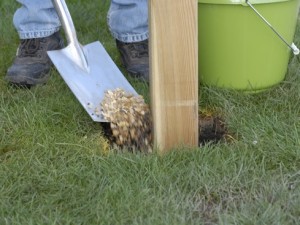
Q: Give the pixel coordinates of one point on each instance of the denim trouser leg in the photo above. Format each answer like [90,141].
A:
[128,20]
[35,19]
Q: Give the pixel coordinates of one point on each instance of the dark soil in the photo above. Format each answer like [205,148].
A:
[212,129]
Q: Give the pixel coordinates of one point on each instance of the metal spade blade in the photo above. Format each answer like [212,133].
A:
[88,70]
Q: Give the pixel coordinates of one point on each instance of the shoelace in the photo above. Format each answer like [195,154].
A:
[29,47]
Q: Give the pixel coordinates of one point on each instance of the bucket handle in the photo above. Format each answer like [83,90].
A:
[293,47]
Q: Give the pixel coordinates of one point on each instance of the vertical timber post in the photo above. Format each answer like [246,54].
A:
[174,72]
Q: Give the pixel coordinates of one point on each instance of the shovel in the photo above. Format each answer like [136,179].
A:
[88,70]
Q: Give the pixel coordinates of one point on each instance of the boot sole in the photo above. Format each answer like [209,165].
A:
[26,81]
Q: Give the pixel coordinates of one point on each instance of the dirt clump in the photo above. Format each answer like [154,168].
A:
[212,129]
[130,120]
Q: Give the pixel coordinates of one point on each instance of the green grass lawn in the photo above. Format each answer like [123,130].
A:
[56,168]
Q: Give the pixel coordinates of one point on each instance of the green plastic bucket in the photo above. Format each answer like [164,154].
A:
[237,48]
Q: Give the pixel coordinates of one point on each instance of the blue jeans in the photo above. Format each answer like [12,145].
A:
[127,19]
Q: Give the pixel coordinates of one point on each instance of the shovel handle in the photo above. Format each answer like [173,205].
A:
[66,21]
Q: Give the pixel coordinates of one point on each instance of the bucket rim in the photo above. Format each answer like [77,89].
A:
[240,2]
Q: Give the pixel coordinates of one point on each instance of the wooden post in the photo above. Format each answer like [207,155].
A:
[174,72]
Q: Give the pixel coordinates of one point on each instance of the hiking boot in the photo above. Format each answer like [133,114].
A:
[31,65]
[135,58]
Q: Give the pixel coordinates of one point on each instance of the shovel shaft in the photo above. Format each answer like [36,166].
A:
[70,33]
[66,20]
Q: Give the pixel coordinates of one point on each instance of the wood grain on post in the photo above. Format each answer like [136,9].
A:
[174,72]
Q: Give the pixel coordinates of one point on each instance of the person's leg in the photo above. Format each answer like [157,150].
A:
[128,20]
[128,23]
[38,26]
